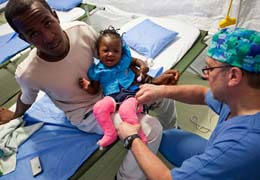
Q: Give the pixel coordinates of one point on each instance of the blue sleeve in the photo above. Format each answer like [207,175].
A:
[215,105]
[93,74]
[226,158]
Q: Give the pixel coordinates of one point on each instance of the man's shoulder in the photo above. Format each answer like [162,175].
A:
[74,24]
[26,63]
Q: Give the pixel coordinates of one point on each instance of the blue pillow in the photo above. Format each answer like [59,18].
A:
[148,38]
[63,5]
[3,1]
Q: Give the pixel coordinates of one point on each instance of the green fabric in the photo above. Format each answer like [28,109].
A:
[192,53]
[237,47]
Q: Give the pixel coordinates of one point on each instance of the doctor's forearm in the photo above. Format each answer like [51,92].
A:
[152,166]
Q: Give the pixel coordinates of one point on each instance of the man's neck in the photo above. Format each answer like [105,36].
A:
[245,103]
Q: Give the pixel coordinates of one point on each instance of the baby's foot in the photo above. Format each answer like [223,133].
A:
[107,140]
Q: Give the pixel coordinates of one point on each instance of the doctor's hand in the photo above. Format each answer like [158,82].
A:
[5,115]
[125,129]
[149,93]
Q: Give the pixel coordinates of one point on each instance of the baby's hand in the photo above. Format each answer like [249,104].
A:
[84,83]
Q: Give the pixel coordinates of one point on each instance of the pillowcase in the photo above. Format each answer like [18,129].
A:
[148,38]
[63,5]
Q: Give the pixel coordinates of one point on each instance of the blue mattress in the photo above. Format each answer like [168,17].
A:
[10,45]
[63,5]
[61,147]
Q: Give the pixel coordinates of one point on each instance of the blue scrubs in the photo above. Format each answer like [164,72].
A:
[232,152]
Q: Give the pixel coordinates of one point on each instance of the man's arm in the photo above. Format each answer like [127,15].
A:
[169,77]
[143,68]
[191,94]
[7,115]
[151,165]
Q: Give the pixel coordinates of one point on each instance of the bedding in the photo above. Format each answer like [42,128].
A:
[63,5]
[148,38]
[171,54]
[10,45]
[61,147]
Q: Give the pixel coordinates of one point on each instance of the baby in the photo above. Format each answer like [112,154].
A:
[116,73]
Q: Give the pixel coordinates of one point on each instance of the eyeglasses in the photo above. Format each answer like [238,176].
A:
[207,69]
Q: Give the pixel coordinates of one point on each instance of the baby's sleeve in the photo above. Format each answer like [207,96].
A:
[93,73]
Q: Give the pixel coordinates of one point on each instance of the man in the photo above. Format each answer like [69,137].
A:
[60,57]
[232,152]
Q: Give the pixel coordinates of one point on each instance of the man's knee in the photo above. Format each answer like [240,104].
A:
[151,127]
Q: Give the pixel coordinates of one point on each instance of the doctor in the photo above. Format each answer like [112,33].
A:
[232,152]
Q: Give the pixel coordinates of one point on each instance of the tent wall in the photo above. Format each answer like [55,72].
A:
[204,14]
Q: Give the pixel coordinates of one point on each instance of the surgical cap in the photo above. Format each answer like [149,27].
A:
[237,47]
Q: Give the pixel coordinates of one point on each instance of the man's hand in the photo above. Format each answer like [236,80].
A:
[5,115]
[144,68]
[125,129]
[149,93]
[169,77]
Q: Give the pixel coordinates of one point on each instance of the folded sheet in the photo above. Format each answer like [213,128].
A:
[61,147]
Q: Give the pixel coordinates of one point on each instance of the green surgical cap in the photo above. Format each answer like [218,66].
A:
[238,47]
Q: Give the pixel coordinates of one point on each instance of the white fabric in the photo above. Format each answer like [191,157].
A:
[59,80]
[12,134]
[202,14]
[71,15]
[64,17]
[187,35]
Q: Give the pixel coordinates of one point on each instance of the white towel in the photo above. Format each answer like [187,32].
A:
[12,134]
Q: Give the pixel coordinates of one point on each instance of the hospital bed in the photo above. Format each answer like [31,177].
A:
[77,155]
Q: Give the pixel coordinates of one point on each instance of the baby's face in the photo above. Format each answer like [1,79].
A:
[110,50]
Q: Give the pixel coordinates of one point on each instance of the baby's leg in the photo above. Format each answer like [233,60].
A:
[128,112]
[102,111]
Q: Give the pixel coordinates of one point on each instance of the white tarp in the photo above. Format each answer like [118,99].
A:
[204,14]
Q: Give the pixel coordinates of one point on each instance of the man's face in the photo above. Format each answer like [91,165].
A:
[217,78]
[41,28]
[110,50]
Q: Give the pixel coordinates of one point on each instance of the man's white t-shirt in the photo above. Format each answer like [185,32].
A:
[60,80]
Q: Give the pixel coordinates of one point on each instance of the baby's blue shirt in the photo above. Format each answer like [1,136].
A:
[113,78]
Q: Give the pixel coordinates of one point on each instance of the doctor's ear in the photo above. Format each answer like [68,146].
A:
[235,76]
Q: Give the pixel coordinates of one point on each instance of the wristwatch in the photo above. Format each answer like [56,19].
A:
[129,140]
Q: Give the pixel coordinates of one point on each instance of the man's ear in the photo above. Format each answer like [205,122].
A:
[55,15]
[235,76]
